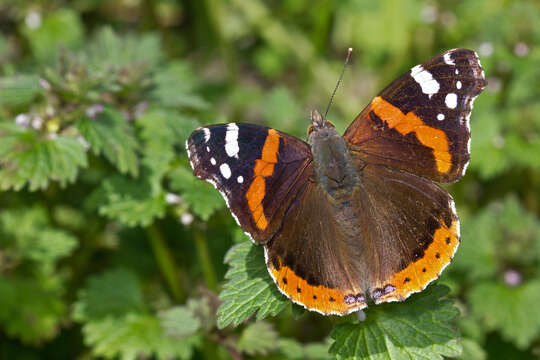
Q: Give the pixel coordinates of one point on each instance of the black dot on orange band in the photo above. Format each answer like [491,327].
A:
[314,297]
[448,240]
[298,290]
[332,299]
[424,270]
[285,280]
[437,255]
[406,280]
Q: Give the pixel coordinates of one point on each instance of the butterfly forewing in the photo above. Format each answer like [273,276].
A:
[420,122]
[255,168]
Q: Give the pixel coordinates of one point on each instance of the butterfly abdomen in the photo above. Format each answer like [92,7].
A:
[334,169]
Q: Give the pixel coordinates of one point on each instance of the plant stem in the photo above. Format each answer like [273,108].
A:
[204,259]
[166,263]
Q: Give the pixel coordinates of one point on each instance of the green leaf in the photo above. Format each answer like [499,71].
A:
[179,322]
[133,202]
[113,293]
[27,235]
[110,134]
[202,198]
[28,158]
[62,28]
[508,310]
[130,54]
[258,338]
[18,90]
[135,336]
[291,349]
[502,233]
[472,350]
[161,131]
[249,288]
[175,86]
[418,328]
[31,309]
[281,109]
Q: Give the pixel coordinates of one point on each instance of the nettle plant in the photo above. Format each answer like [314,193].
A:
[94,179]
[91,145]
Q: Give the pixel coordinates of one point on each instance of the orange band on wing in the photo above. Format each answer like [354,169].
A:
[406,123]
[264,167]
[420,273]
[319,298]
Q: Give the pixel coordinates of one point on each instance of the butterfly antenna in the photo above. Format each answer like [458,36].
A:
[339,82]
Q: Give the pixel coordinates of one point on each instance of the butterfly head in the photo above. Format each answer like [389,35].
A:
[320,127]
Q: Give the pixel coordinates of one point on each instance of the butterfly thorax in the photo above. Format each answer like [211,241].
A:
[334,169]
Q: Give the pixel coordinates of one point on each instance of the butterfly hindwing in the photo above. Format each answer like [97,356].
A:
[420,122]
[247,163]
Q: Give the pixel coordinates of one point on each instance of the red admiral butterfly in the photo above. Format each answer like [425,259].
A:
[347,219]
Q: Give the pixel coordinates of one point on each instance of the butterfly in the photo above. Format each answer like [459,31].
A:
[359,218]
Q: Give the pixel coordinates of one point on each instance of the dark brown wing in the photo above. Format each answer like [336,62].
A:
[411,227]
[309,258]
[420,122]
[256,169]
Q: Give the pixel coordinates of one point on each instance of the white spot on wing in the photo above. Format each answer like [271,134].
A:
[231,140]
[207,149]
[451,100]
[457,71]
[213,161]
[424,78]
[207,134]
[240,179]
[448,59]
[458,84]
[440,117]
[225,170]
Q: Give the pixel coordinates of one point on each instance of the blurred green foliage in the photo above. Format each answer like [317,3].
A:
[110,248]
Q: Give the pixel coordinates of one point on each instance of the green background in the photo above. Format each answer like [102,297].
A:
[110,248]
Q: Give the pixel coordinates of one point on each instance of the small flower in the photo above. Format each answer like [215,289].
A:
[44,84]
[485,49]
[171,198]
[37,122]
[94,110]
[512,278]
[186,219]
[429,14]
[521,49]
[33,19]
[22,120]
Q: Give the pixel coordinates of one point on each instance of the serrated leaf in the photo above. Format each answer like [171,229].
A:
[291,349]
[27,235]
[27,158]
[508,310]
[202,198]
[109,51]
[472,350]
[162,131]
[18,90]
[175,86]
[249,288]
[258,338]
[317,351]
[503,232]
[113,293]
[179,322]
[135,336]
[110,134]
[60,28]
[133,202]
[31,309]
[418,328]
